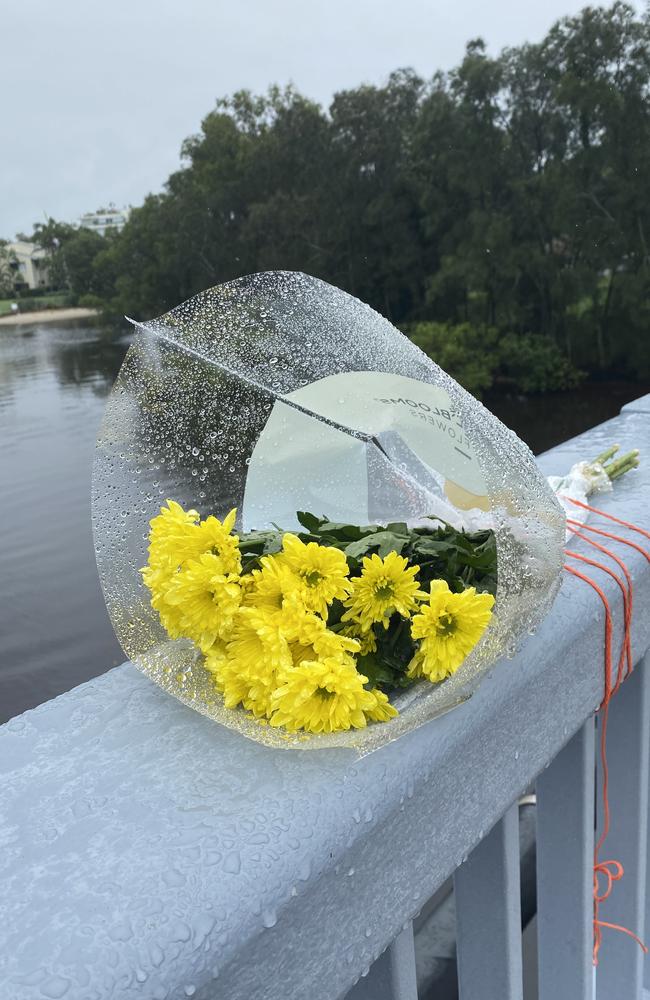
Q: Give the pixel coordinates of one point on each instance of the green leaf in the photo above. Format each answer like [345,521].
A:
[378,672]
[310,521]
[382,542]
[395,645]
[346,532]
[357,550]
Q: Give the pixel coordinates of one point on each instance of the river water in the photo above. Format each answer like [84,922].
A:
[54,380]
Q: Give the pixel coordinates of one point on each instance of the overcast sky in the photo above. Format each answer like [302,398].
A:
[99,94]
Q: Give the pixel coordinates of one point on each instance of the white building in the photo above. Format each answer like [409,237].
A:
[105,219]
[29,264]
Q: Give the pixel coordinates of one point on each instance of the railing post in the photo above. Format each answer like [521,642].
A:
[620,968]
[393,975]
[488,916]
[565,858]
[402,966]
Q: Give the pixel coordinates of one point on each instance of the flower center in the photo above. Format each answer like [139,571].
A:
[323,693]
[313,578]
[446,624]
[384,591]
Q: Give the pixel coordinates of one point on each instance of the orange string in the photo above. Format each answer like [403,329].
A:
[610,517]
[607,534]
[608,630]
[626,650]
[612,870]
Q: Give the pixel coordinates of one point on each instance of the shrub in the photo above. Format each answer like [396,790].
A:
[533,363]
[34,303]
[480,357]
[465,352]
[90,301]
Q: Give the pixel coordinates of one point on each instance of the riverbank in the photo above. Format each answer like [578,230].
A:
[48,316]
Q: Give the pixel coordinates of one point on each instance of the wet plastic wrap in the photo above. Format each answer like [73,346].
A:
[276,393]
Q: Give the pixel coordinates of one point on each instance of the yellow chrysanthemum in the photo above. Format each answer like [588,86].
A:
[251,688]
[277,590]
[216,537]
[256,655]
[170,616]
[169,532]
[320,571]
[384,587]
[176,536]
[448,627]
[382,710]
[324,696]
[205,598]
[268,585]
[367,640]
[311,640]
[233,683]
[255,636]
[156,579]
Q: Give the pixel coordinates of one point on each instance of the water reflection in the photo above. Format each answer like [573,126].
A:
[78,356]
[53,626]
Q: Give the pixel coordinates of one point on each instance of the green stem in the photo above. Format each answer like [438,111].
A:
[623,464]
[606,454]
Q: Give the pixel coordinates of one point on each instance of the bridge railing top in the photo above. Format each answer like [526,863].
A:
[149,852]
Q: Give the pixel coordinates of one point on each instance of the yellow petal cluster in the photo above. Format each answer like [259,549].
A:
[264,633]
[448,627]
[193,573]
[322,696]
[320,573]
[385,586]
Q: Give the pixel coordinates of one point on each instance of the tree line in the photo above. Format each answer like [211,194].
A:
[498,213]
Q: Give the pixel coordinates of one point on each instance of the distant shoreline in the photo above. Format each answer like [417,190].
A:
[47,316]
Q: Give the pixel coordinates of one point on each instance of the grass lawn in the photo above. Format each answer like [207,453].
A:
[52,301]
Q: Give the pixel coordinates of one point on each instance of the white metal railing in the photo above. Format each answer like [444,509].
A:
[148,852]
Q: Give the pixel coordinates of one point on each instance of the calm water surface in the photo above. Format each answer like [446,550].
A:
[54,379]
[54,631]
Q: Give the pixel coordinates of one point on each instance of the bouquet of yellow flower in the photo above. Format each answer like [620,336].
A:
[277,393]
[312,631]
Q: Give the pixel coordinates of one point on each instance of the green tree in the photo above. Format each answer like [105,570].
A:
[508,194]
[7,276]
[72,252]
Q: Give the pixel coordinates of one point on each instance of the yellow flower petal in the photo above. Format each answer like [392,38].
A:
[205,598]
[320,572]
[448,627]
[382,710]
[324,696]
[385,586]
